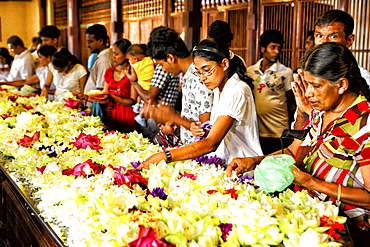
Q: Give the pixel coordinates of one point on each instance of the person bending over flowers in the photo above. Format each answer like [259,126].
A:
[334,157]
[234,122]
[67,73]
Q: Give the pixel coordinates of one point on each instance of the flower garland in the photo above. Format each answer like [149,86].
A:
[84,182]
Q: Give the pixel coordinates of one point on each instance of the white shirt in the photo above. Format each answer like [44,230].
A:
[68,82]
[269,91]
[365,74]
[42,73]
[237,101]
[196,100]
[22,67]
[102,62]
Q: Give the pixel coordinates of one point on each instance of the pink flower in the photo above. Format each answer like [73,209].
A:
[148,238]
[71,103]
[85,168]
[188,175]
[27,141]
[84,141]
[41,169]
[131,177]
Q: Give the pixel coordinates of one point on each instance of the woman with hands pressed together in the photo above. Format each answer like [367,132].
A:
[234,131]
[118,91]
[334,158]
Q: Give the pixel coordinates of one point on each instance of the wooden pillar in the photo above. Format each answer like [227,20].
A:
[42,11]
[192,22]
[166,8]
[252,33]
[73,23]
[116,21]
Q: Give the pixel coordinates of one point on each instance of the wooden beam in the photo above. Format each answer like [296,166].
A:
[73,23]
[192,22]
[116,21]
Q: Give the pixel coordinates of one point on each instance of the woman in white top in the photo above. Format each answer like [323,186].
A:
[38,80]
[5,63]
[67,73]
[234,131]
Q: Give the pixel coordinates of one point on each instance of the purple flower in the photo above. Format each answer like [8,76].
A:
[83,113]
[136,164]
[246,177]
[210,160]
[206,128]
[225,229]
[157,192]
[53,154]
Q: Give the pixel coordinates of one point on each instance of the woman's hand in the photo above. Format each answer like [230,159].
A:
[196,129]
[79,95]
[160,113]
[131,73]
[299,87]
[301,178]
[241,165]
[154,159]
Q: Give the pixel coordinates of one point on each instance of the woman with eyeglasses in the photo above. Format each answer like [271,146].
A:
[234,131]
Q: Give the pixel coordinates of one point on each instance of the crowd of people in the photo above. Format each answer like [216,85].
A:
[157,87]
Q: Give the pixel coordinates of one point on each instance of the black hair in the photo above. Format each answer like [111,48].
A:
[221,32]
[336,15]
[50,32]
[123,45]
[271,36]
[5,53]
[15,41]
[332,61]
[310,34]
[99,31]
[164,41]
[213,51]
[47,50]
[63,57]
[137,49]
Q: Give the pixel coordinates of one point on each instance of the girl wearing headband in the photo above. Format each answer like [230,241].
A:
[234,131]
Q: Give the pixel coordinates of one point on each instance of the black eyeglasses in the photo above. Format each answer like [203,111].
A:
[205,73]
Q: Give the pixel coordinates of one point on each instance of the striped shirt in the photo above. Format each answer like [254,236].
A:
[336,153]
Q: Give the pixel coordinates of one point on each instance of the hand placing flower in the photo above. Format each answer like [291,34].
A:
[154,159]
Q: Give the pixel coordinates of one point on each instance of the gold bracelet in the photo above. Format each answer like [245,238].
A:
[339,192]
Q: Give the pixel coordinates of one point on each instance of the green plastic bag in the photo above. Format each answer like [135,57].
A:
[274,173]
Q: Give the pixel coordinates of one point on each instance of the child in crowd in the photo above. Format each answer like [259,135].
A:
[143,65]
[167,135]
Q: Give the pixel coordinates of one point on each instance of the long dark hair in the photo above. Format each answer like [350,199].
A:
[332,61]
[47,50]
[5,53]
[63,57]
[211,50]
[123,45]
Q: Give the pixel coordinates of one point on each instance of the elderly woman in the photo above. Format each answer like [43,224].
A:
[335,155]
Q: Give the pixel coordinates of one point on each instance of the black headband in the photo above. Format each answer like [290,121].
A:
[209,49]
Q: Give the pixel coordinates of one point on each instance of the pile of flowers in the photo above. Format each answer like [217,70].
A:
[84,183]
